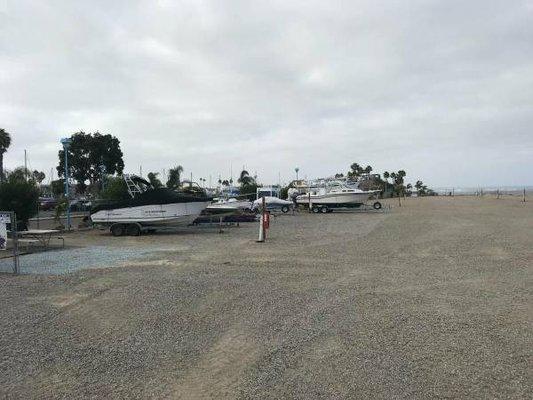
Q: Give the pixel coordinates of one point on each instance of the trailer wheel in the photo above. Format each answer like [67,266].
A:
[117,229]
[377,205]
[285,209]
[133,230]
[324,209]
[315,209]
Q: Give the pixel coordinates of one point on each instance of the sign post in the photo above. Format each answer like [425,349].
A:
[9,217]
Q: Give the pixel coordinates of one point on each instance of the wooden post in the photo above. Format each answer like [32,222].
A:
[524,197]
[309,197]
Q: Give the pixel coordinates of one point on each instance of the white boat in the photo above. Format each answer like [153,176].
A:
[228,205]
[273,203]
[149,208]
[336,195]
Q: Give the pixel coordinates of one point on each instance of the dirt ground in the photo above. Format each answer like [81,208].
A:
[430,300]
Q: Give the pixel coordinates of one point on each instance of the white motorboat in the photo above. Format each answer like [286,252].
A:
[149,208]
[273,203]
[228,205]
[336,195]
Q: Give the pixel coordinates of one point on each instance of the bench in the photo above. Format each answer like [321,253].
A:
[26,242]
[30,242]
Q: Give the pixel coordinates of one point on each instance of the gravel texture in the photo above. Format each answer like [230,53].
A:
[431,300]
[58,262]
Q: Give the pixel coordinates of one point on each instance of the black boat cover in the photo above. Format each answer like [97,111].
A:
[153,196]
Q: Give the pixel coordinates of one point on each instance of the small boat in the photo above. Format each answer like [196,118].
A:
[228,205]
[273,203]
[149,208]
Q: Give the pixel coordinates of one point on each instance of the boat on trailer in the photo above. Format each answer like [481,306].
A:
[337,195]
[221,206]
[149,208]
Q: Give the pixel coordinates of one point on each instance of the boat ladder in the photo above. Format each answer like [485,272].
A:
[133,188]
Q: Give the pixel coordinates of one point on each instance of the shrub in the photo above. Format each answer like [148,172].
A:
[115,189]
[20,196]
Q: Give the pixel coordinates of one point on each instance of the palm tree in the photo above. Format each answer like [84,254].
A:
[5,142]
[386,175]
[174,175]
[245,178]
[154,180]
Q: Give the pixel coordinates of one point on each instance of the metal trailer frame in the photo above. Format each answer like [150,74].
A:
[375,206]
[121,228]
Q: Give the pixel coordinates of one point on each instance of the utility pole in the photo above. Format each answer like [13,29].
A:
[25,165]
[66,144]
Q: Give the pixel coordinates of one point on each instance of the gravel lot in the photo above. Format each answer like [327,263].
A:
[431,300]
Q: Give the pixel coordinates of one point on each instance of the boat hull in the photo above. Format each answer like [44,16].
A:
[336,199]
[152,215]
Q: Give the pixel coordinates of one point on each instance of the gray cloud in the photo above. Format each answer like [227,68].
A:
[442,89]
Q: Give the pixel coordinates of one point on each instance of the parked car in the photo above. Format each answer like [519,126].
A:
[80,205]
[47,203]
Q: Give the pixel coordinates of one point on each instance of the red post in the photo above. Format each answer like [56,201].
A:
[264,217]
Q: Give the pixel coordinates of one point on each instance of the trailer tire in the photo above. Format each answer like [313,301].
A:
[133,230]
[285,209]
[315,209]
[117,229]
[376,205]
[324,209]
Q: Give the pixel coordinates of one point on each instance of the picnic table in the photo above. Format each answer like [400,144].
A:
[43,236]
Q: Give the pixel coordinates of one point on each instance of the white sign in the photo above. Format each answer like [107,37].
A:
[3,236]
[5,218]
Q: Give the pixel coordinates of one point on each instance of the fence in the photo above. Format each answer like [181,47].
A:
[9,218]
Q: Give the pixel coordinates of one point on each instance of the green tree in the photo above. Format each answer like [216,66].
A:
[86,155]
[38,176]
[248,186]
[154,180]
[245,178]
[398,182]
[115,189]
[5,142]
[20,174]
[174,177]
[357,170]
[58,187]
[19,195]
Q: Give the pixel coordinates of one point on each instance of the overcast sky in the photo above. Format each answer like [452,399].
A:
[442,89]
